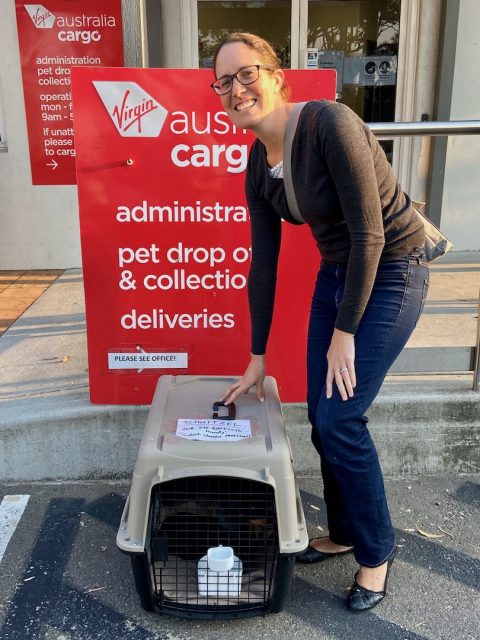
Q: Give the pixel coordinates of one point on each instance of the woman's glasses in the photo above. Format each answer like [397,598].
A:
[245,75]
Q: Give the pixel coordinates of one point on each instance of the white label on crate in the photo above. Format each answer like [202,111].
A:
[219,430]
[143,360]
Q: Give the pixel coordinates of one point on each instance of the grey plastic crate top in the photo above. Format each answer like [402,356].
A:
[163,455]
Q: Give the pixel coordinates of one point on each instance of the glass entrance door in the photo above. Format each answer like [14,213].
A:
[359,38]
[270,19]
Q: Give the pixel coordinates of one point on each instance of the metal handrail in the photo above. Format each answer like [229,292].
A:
[384,130]
[424,128]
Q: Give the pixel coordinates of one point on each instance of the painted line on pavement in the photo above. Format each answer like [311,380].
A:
[11,511]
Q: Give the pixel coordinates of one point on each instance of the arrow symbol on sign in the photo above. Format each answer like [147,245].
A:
[140,350]
[52,164]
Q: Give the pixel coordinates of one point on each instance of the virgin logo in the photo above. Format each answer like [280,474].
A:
[132,110]
[127,115]
[41,17]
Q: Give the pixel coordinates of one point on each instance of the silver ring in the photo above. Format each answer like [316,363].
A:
[343,370]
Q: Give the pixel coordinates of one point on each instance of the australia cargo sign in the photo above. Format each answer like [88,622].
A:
[166,237]
[54,36]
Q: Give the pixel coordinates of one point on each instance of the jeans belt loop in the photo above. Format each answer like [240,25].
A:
[418,255]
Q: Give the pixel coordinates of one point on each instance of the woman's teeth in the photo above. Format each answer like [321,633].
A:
[245,105]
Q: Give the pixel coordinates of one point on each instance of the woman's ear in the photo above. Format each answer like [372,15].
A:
[279,79]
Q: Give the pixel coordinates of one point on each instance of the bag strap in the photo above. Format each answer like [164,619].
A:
[287,161]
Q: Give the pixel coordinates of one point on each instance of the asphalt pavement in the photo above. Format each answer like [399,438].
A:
[64,579]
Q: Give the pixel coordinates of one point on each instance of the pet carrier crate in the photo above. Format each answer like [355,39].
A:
[214,520]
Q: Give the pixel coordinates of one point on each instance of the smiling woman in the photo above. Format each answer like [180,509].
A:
[252,87]
[369,293]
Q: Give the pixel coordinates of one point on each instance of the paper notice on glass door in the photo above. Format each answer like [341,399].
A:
[333,60]
[370,70]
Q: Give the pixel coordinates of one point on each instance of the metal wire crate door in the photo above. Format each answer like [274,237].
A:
[191,515]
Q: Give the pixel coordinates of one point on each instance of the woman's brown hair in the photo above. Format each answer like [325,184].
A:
[265,52]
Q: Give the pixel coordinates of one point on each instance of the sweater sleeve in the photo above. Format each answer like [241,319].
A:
[262,278]
[350,161]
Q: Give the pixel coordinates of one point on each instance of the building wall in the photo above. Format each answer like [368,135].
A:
[461,198]
[171,17]
[39,226]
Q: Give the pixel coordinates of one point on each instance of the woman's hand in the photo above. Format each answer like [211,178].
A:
[341,364]
[254,375]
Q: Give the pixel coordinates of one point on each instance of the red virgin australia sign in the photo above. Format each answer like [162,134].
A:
[166,238]
[54,36]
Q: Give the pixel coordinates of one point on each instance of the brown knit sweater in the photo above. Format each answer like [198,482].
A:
[350,198]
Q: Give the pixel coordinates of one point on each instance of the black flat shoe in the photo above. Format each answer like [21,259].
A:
[311,555]
[362,599]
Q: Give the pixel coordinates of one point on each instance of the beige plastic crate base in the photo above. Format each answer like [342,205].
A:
[190,495]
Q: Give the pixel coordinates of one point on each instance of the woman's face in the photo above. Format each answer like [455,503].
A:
[247,105]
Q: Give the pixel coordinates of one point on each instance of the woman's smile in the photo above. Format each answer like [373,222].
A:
[245,104]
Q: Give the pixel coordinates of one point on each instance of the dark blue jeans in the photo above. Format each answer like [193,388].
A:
[357,509]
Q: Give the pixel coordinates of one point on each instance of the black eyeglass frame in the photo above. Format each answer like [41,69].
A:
[235,75]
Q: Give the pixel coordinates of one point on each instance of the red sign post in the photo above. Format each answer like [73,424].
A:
[165,234]
[52,37]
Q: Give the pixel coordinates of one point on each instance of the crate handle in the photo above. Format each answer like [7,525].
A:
[231,411]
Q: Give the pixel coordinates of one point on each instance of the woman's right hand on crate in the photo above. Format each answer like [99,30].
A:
[254,375]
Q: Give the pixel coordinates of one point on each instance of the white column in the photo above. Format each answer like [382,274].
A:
[461,202]
[417,68]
